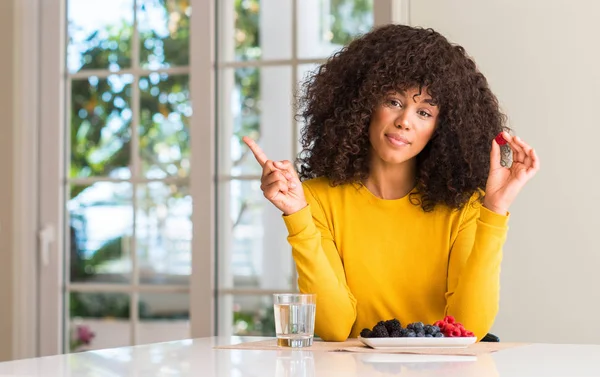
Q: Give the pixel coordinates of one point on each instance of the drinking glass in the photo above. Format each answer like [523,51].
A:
[295,319]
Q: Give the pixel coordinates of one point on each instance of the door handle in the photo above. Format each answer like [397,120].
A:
[46,236]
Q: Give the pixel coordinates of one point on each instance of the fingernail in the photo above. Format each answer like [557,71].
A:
[500,139]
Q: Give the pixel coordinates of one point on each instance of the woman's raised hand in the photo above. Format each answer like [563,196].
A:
[505,183]
[279,182]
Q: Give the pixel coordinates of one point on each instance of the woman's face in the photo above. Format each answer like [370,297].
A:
[402,125]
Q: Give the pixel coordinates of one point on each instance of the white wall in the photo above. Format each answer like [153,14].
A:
[542,58]
[7,70]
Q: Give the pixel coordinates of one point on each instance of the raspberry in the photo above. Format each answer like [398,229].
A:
[452,331]
[500,139]
[449,319]
[469,334]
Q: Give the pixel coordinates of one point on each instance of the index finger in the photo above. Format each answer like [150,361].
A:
[260,156]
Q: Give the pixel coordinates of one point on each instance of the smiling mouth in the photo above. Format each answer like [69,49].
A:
[399,142]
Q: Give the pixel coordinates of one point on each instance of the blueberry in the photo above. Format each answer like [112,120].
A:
[404,333]
[439,335]
[429,336]
[431,329]
[418,326]
[420,334]
[411,334]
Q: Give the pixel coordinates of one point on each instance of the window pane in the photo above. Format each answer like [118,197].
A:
[164,125]
[253,248]
[101,224]
[246,315]
[163,317]
[164,233]
[257,103]
[98,320]
[99,34]
[100,127]
[324,26]
[254,29]
[164,29]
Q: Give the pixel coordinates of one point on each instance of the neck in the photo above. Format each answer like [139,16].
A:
[391,181]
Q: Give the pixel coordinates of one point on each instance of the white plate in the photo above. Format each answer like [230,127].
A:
[389,343]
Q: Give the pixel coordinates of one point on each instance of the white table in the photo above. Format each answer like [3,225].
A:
[198,358]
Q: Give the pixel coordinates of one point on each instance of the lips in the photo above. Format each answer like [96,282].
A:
[397,140]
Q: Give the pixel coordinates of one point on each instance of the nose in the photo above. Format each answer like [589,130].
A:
[402,121]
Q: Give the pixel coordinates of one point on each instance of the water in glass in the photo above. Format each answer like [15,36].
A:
[295,320]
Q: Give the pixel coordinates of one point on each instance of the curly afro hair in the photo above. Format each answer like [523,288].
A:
[338,99]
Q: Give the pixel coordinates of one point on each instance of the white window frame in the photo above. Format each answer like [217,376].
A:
[43,87]
[25,185]
[52,176]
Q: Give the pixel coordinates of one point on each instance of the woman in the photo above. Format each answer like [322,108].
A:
[402,211]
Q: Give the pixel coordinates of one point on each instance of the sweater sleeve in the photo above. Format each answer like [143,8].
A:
[473,293]
[320,270]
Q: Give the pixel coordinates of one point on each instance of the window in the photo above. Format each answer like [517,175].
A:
[128,205]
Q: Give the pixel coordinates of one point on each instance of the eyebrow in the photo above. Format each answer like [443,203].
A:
[430,102]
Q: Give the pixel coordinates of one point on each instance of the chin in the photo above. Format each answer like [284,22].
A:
[394,158]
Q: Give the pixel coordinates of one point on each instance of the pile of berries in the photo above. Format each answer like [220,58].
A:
[451,328]
[392,328]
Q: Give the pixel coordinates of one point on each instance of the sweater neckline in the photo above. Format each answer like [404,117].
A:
[367,194]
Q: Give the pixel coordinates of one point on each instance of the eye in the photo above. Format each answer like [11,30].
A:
[394,102]
[424,114]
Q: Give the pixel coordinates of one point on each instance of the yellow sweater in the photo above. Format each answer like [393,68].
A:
[370,259]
